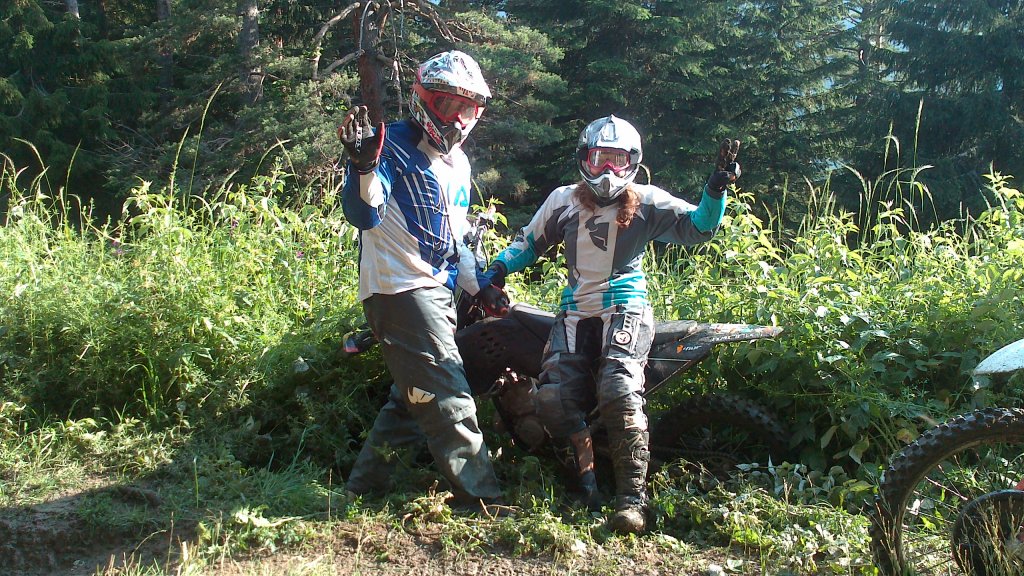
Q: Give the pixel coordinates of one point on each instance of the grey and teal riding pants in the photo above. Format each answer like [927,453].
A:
[595,360]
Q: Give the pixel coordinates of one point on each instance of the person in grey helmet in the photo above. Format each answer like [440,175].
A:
[597,350]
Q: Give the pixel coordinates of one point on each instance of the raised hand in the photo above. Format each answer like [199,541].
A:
[361,140]
[727,169]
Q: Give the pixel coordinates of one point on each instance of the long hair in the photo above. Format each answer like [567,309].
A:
[629,201]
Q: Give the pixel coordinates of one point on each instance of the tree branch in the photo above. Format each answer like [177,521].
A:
[320,37]
[426,10]
[419,8]
[341,62]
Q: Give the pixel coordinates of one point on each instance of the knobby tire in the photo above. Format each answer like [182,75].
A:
[718,431]
[972,458]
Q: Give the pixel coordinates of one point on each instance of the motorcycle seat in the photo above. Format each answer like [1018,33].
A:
[537,321]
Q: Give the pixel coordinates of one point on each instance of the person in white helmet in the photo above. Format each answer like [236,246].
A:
[407,190]
[597,349]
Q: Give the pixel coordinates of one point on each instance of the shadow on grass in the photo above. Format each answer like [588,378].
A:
[99,527]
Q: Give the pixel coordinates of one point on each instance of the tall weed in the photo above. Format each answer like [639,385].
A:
[185,310]
[882,325]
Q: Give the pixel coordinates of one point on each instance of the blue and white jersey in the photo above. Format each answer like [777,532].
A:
[604,261]
[411,213]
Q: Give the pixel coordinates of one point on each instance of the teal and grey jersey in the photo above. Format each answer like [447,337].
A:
[605,261]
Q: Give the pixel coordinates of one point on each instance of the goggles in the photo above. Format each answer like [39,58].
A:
[450,107]
[598,160]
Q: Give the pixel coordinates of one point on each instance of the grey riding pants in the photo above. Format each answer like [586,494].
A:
[429,401]
[595,361]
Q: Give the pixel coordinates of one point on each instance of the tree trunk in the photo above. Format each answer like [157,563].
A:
[248,40]
[371,85]
[166,58]
[72,6]
[101,11]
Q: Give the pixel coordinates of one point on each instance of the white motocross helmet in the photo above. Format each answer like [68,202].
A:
[608,155]
[448,97]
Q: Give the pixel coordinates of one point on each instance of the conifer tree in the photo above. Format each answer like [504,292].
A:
[690,74]
[960,63]
[869,93]
[62,89]
[518,148]
[651,63]
[787,57]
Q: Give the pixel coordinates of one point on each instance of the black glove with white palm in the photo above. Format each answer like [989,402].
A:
[727,169]
[361,140]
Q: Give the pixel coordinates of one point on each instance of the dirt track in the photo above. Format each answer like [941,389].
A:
[51,539]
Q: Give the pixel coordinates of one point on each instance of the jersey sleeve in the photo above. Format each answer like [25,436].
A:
[467,266]
[536,237]
[364,197]
[678,222]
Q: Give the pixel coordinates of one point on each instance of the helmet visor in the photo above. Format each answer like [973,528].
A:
[451,107]
[600,159]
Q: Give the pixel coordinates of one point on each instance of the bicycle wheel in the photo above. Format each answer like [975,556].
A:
[951,503]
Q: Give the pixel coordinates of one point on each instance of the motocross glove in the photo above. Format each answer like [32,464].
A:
[727,169]
[362,142]
[493,276]
[493,301]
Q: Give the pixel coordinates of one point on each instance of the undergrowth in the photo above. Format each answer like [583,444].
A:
[192,348]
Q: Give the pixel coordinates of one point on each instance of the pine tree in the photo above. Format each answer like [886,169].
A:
[788,57]
[960,63]
[61,92]
[518,149]
[651,63]
[689,74]
[869,92]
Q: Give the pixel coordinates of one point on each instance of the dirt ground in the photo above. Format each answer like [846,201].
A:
[51,539]
[393,553]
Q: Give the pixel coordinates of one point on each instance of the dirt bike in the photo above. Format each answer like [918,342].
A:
[502,358]
[952,502]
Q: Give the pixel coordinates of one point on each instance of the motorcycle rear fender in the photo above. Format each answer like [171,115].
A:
[1006,360]
[689,340]
[678,345]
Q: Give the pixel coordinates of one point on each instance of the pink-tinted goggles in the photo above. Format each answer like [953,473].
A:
[600,159]
[450,107]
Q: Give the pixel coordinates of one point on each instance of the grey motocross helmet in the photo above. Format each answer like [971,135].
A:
[608,155]
[448,97]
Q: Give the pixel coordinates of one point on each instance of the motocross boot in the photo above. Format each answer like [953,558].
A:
[577,456]
[630,456]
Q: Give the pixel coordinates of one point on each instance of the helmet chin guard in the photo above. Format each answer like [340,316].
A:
[608,155]
[608,186]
